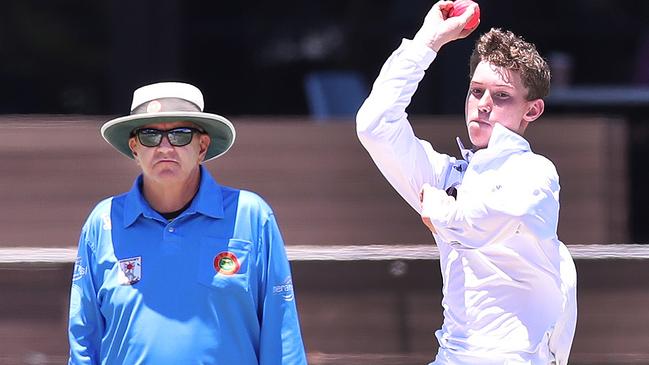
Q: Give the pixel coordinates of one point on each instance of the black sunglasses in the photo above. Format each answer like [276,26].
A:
[178,137]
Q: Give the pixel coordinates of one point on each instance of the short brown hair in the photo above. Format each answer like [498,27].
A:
[507,50]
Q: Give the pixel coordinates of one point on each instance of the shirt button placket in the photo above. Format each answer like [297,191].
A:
[170,233]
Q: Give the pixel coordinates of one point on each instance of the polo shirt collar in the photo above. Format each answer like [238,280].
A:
[207,201]
[501,140]
[209,198]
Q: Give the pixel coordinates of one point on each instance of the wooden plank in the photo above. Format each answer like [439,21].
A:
[320,181]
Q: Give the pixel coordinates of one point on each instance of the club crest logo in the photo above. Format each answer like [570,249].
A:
[226,263]
[130,270]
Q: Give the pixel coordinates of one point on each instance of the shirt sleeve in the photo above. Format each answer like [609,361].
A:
[281,339]
[528,203]
[86,324]
[384,130]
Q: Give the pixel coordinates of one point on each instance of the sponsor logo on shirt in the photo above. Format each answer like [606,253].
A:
[226,263]
[130,270]
[79,269]
[285,290]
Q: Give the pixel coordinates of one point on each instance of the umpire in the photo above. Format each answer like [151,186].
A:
[180,270]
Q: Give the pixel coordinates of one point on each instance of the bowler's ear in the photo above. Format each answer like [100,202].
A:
[535,110]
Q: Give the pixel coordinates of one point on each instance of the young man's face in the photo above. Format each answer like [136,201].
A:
[497,95]
[167,163]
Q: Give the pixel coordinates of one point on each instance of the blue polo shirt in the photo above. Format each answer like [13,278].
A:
[213,286]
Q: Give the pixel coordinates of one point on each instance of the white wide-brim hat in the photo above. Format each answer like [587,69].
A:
[169,102]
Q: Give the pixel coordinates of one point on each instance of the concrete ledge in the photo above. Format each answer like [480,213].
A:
[48,255]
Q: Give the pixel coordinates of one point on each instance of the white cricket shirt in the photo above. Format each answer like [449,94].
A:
[509,292]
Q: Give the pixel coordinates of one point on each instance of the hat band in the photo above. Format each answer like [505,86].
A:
[166,105]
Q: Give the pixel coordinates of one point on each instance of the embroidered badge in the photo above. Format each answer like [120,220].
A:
[130,270]
[226,263]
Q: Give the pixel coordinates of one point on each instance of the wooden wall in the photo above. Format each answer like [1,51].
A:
[325,190]
[321,183]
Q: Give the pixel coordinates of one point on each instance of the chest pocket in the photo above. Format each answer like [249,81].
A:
[224,263]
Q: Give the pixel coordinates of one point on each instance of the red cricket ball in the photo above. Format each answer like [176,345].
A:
[459,7]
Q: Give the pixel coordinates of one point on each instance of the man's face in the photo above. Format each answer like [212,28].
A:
[167,163]
[497,95]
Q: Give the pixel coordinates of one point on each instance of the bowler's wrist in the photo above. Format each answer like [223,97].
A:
[434,42]
[417,52]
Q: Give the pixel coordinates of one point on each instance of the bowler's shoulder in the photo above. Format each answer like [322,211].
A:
[544,164]
[536,167]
